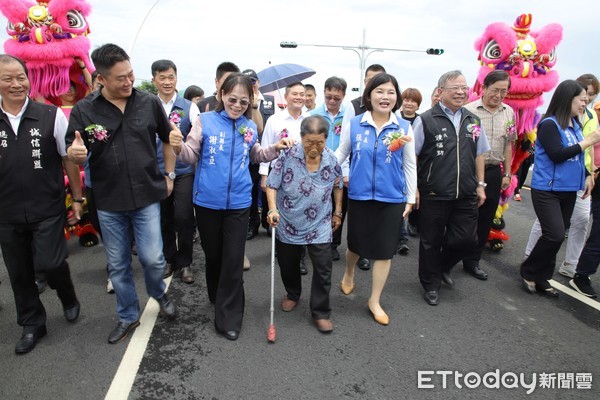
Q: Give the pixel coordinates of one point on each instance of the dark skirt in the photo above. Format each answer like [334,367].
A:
[373,228]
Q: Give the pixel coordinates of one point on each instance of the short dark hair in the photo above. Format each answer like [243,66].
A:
[161,66]
[193,91]
[225,67]
[308,86]
[8,59]
[336,83]
[291,85]
[412,94]
[377,80]
[375,68]
[561,103]
[315,124]
[495,76]
[106,56]
[231,82]
[589,79]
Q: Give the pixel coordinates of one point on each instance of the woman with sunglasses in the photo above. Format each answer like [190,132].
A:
[381,185]
[222,143]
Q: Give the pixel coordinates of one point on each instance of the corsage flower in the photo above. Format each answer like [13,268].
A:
[511,129]
[393,140]
[283,134]
[247,133]
[474,130]
[176,116]
[97,132]
[337,128]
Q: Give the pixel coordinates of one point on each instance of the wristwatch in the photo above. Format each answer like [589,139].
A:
[171,175]
[482,184]
[507,175]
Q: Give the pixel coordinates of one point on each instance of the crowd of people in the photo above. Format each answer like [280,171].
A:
[166,165]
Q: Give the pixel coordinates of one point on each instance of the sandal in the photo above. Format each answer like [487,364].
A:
[546,288]
[528,286]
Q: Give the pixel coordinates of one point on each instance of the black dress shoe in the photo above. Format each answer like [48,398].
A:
[41,286]
[29,340]
[364,264]
[303,270]
[476,272]
[252,232]
[168,271]
[432,297]
[122,330]
[231,335]
[335,254]
[72,313]
[412,230]
[447,278]
[167,308]
[403,249]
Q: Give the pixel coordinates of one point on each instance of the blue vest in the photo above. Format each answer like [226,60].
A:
[568,176]
[222,180]
[185,125]
[376,173]
[333,139]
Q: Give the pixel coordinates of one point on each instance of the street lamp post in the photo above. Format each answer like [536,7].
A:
[363,51]
[137,33]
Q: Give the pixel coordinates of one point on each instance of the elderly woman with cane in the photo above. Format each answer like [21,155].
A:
[299,196]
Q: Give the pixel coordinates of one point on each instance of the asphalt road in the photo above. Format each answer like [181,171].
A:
[480,328]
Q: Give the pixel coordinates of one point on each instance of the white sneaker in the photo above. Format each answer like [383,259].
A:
[109,287]
[567,270]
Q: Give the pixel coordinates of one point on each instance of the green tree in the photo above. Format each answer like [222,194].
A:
[147,86]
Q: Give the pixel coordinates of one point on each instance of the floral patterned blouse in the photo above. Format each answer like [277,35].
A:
[304,198]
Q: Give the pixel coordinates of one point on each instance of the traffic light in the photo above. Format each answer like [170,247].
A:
[435,52]
[288,45]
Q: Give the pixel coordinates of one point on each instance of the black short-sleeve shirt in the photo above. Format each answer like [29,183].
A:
[123,165]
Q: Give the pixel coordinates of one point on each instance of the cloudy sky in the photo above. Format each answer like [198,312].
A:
[198,35]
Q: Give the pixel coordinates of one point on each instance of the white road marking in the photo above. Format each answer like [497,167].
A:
[125,376]
[573,293]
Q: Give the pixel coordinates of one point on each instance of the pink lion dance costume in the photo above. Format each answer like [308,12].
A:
[528,57]
[48,36]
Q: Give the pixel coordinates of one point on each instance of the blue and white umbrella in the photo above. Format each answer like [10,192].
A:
[279,76]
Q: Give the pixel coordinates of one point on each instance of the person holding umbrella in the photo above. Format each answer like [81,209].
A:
[299,190]
[222,143]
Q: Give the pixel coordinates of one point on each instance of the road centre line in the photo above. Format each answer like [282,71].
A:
[125,376]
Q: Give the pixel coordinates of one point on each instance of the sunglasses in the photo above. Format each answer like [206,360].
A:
[243,102]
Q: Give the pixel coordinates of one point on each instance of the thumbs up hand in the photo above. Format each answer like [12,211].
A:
[175,138]
[77,152]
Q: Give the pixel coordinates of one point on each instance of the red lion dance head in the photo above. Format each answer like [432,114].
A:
[528,56]
[48,35]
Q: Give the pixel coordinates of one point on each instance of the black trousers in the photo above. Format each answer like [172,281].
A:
[288,257]
[223,238]
[554,210]
[177,223]
[36,247]
[337,234]
[447,229]
[255,219]
[487,211]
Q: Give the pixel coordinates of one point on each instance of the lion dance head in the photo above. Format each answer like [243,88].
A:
[48,35]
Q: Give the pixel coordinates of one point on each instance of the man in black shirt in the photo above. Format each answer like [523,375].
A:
[118,125]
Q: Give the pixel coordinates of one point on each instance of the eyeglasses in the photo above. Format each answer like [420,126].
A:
[233,101]
[333,98]
[502,92]
[457,88]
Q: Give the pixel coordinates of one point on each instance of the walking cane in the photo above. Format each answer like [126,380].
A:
[271,334]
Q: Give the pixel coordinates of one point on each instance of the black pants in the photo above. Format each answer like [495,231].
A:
[177,226]
[590,255]
[448,230]
[36,247]
[337,234]
[554,210]
[223,238]
[254,219]
[523,171]
[487,211]
[288,257]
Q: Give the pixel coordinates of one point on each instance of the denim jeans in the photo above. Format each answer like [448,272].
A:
[590,255]
[116,235]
